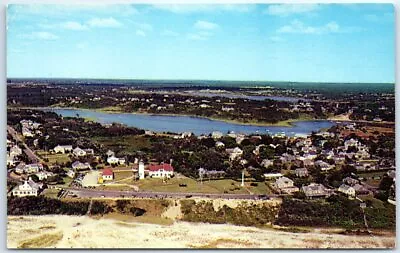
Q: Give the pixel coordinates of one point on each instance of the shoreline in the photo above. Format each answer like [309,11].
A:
[285,123]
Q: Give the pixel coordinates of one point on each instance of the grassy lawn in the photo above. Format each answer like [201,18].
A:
[128,143]
[51,193]
[123,175]
[54,158]
[172,185]
[67,180]
[261,188]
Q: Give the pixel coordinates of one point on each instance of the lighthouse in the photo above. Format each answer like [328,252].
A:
[141,170]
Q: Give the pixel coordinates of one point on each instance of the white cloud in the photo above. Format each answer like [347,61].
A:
[201,8]
[144,26]
[276,39]
[169,33]
[140,33]
[297,26]
[104,22]
[72,25]
[244,8]
[284,10]
[204,25]
[195,36]
[62,10]
[40,36]
[385,17]
[200,35]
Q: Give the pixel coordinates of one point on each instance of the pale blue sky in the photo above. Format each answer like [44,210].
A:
[322,43]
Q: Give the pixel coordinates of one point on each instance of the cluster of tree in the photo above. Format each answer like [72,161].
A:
[100,208]
[243,214]
[335,211]
[40,205]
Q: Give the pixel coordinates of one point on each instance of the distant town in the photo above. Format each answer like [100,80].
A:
[57,157]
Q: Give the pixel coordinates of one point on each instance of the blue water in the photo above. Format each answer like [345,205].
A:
[198,126]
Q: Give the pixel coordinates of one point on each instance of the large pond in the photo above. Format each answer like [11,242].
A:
[198,126]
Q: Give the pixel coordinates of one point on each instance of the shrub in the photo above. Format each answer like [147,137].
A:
[99,207]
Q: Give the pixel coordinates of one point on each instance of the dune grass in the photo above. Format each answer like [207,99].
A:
[42,241]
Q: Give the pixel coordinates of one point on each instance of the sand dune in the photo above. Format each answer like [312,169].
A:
[58,231]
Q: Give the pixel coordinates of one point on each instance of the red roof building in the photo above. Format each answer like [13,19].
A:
[107,172]
[157,167]
[161,170]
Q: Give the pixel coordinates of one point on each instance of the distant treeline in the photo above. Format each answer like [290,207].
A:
[323,87]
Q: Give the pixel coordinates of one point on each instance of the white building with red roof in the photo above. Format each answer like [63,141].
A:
[161,170]
[107,174]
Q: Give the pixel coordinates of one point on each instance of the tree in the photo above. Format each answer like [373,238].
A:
[34,178]
[266,152]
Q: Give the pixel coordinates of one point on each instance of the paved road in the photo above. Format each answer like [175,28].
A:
[93,193]
[31,155]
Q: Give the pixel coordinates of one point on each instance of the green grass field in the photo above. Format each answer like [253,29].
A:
[129,143]
[54,158]
[50,193]
[207,186]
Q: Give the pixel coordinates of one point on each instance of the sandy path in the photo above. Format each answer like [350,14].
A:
[85,232]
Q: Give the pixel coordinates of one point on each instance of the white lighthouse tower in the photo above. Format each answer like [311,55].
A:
[141,170]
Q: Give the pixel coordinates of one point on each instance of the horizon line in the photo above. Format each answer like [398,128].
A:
[219,80]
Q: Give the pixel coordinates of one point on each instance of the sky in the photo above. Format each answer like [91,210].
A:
[256,42]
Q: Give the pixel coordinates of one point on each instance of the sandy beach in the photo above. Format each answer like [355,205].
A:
[61,231]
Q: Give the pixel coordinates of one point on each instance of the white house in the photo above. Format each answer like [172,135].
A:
[272,175]
[216,135]
[108,174]
[28,188]
[351,143]
[71,173]
[234,153]
[89,151]
[43,175]
[161,171]
[110,153]
[77,165]
[301,172]
[315,190]
[348,190]
[15,151]
[10,160]
[286,185]
[28,168]
[62,149]
[324,166]
[79,152]
[20,168]
[121,161]
[115,160]
[266,163]
[219,144]
[186,134]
